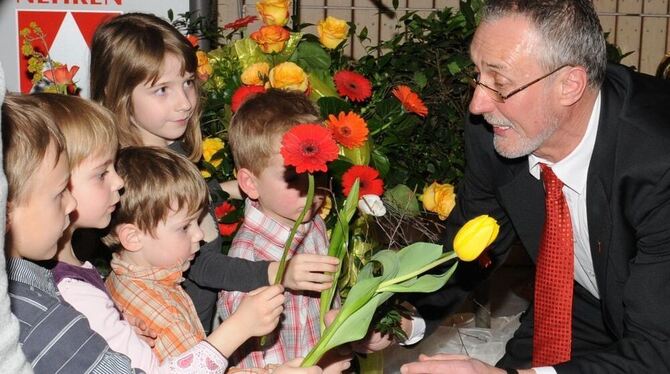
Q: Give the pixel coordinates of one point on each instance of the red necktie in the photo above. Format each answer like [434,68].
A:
[552,338]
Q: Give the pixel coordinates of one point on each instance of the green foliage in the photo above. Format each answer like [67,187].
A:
[432,53]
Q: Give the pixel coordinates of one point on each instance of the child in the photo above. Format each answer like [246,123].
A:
[156,234]
[54,336]
[91,143]
[143,70]
[276,196]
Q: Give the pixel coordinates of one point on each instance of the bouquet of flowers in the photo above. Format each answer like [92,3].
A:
[366,215]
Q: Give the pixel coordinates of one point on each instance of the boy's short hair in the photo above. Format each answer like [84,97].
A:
[156,181]
[88,127]
[28,130]
[263,118]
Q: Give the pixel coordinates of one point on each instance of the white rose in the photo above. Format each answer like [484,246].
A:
[372,205]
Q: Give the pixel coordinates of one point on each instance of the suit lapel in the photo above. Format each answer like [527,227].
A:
[598,188]
[523,197]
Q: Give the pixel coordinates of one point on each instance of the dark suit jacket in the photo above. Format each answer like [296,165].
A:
[628,205]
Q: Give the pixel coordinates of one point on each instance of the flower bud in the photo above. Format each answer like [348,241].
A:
[372,205]
[477,234]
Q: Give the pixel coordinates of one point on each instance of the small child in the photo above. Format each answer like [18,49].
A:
[92,144]
[276,197]
[143,70]
[54,336]
[155,233]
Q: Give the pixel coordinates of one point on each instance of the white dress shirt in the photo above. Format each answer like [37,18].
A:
[573,171]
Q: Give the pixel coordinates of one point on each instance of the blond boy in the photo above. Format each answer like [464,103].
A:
[54,336]
[155,233]
[276,196]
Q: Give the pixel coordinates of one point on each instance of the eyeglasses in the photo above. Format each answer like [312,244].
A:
[497,96]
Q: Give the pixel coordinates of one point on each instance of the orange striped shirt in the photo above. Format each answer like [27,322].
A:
[156,297]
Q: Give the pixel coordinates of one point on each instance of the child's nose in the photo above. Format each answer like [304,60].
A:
[69,202]
[198,234]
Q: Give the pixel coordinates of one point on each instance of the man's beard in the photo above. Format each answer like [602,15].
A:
[522,145]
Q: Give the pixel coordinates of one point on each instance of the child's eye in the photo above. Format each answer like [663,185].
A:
[160,91]
[103,174]
[189,82]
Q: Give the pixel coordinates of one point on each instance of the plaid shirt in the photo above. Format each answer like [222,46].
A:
[262,238]
[155,296]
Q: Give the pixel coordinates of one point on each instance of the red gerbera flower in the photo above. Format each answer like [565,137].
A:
[370,183]
[223,210]
[242,94]
[349,129]
[352,85]
[410,100]
[228,229]
[308,147]
[241,22]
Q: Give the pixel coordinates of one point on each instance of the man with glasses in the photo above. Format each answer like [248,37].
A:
[572,156]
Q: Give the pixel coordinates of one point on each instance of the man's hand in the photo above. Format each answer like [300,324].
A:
[453,364]
[306,272]
[141,329]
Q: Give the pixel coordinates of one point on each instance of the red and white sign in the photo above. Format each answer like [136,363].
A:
[68,26]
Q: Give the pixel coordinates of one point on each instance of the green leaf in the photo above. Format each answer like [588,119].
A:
[332,105]
[404,199]
[322,84]
[380,162]
[426,283]
[420,79]
[170,14]
[312,56]
[359,155]
[418,255]
[291,46]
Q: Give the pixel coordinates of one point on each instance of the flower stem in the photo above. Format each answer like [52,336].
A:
[289,241]
[294,229]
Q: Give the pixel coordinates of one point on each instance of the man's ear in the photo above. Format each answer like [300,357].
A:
[573,85]
[247,181]
[130,237]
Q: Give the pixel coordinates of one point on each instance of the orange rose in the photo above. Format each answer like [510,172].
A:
[204,68]
[271,39]
[273,12]
[256,74]
[289,76]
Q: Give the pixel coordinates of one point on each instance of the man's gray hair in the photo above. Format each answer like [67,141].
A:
[570,32]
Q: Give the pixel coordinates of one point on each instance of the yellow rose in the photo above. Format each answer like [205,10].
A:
[439,198]
[288,76]
[209,147]
[256,74]
[273,12]
[332,31]
[271,39]
[477,234]
[204,68]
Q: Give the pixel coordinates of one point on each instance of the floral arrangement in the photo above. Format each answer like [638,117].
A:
[47,75]
[364,213]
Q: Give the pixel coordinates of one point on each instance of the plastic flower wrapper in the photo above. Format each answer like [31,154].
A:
[401,272]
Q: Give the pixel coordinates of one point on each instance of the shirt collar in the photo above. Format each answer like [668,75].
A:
[573,169]
[170,276]
[265,225]
[24,271]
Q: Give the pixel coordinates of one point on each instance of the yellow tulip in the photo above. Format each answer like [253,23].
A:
[256,74]
[288,76]
[439,198]
[209,147]
[273,12]
[332,31]
[477,234]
